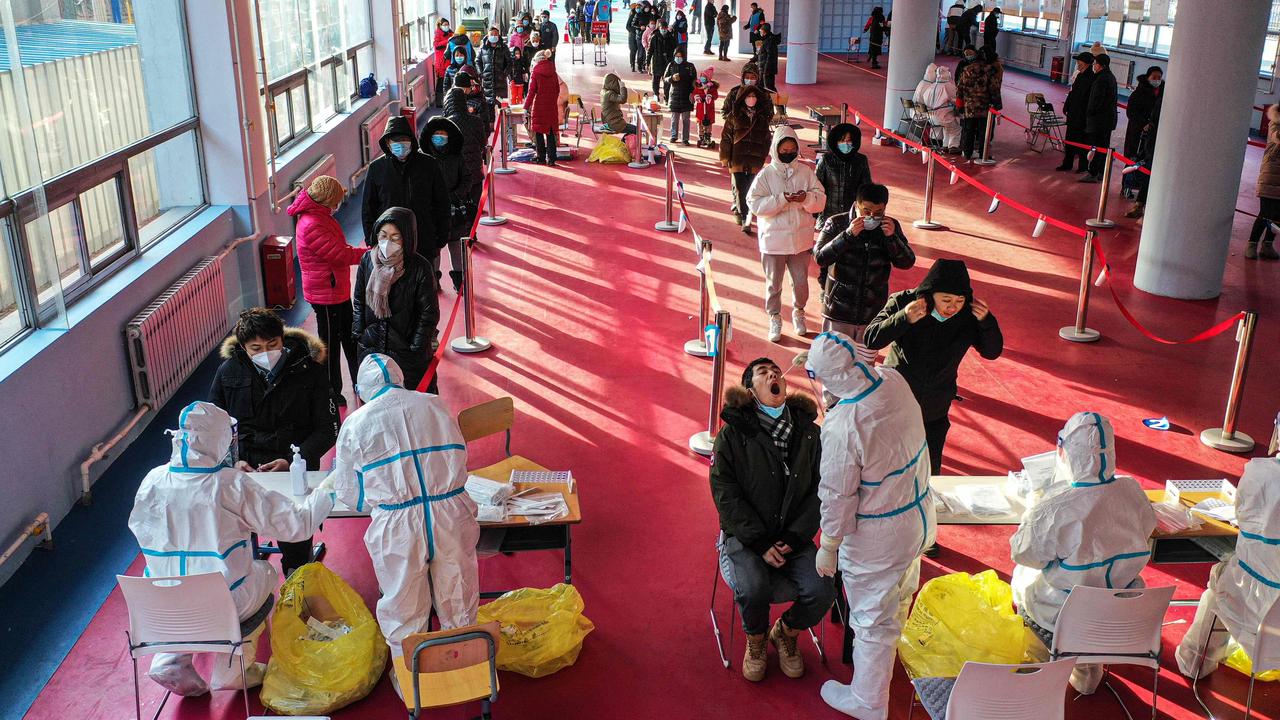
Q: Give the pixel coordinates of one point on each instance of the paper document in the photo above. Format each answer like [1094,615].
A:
[983,500]
[563,477]
[1216,509]
[488,492]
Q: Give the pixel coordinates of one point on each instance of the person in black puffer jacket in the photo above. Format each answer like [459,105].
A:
[468,97]
[859,250]
[406,327]
[681,74]
[931,328]
[494,64]
[842,170]
[662,46]
[443,141]
[405,177]
[475,137]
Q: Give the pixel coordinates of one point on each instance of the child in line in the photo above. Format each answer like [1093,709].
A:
[705,94]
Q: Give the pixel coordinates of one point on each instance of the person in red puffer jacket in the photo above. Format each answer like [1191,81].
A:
[541,106]
[326,261]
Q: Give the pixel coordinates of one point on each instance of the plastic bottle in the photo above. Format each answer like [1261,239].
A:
[298,472]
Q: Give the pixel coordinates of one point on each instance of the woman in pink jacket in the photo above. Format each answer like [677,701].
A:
[326,261]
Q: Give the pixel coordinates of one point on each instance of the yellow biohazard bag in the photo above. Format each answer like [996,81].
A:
[1239,660]
[337,660]
[542,630]
[962,617]
[609,150]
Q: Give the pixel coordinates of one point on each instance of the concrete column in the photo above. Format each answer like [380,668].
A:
[1199,152]
[802,42]
[915,32]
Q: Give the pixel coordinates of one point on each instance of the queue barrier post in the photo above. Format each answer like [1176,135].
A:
[504,119]
[469,342]
[698,346]
[493,218]
[986,139]
[1226,438]
[669,224]
[704,442]
[1101,220]
[927,223]
[1079,333]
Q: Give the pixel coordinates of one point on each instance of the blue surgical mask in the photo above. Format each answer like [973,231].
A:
[773,412]
[400,149]
[1155,83]
[845,147]
[870,222]
[439,140]
[679,59]
[939,316]
[748,82]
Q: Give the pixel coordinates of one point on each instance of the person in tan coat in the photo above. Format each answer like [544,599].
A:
[1263,235]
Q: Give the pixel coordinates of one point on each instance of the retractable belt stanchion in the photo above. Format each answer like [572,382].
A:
[986,140]
[504,117]
[1101,221]
[1226,438]
[469,342]
[927,223]
[698,346]
[703,442]
[1078,332]
[669,224]
[493,218]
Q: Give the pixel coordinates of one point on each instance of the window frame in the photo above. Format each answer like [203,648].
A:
[353,58]
[284,86]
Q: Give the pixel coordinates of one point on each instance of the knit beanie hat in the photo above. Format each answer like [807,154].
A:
[326,190]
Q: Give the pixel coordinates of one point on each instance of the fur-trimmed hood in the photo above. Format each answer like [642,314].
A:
[739,409]
[293,338]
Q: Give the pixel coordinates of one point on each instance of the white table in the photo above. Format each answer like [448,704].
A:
[283,484]
[949,484]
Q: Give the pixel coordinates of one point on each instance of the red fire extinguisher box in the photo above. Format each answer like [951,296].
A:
[410,114]
[277,271]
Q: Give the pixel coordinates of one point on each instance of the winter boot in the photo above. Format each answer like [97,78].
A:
[1251,251]
[789,659]
[754,661]
[456,277]
[1268,251]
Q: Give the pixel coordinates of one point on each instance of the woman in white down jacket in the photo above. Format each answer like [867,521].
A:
[784,197]
[937,92]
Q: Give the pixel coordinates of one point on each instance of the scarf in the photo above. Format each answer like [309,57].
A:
[779,430]
[386,271]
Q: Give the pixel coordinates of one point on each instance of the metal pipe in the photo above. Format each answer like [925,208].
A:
[1079,332]
[270,101]
[504,118]
[986,140]
[40,526]
[469,342]
[669,224]
[1101,221]
[844,112]
[927,222]
[698,346]
[717,372]
[1226,438]
[101,450]
[491,200]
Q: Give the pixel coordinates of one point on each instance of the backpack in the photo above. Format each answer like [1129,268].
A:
[368,87]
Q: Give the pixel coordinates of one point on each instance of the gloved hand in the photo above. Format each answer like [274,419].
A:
[326,485]
[825,560]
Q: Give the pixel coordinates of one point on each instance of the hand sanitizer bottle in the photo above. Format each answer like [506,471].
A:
[298,472]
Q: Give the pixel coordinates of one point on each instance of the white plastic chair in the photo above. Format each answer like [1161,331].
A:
[1113,626]
[986,691]
[1264,655]
[189,614]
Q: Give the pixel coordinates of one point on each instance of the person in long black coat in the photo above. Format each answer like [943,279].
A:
[494,63]
[1075,108]
[1142,104]
[662,47]
[767,56]
[405,177]
[1100,115]
[443,140]
[709,13]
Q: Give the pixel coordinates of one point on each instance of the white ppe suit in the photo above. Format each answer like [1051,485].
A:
[402,457]
[876,501]
[195,515]
[1245,585]
[1092,528]
[785,228]
[937,92]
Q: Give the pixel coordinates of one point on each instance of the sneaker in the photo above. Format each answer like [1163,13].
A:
[1090,178]
[775,328]
[1267,251]
[797,323]
[1251,251]
[754,660]
[789,659]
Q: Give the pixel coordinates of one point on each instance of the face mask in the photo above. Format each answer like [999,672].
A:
[773,412]
[439,140]
[1156,83]
[939,316]
[400,149]
[748,82]
[388,249]
[845,147]
[267,360]
[493,39]
[870,222]
[459,59]
[788,157]
[970,58]
[444,28]
[679,59]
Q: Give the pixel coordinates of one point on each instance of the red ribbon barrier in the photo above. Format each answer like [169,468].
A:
[439,354]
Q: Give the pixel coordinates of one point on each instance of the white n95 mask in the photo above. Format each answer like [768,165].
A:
[267,360]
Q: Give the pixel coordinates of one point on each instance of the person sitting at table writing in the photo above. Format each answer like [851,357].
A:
[274,382]
[1092,528]
[401,457]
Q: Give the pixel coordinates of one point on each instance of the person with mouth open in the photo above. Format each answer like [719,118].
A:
[764,481]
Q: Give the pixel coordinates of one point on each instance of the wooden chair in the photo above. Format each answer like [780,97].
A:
[490,418]
[450,667]
[577,116]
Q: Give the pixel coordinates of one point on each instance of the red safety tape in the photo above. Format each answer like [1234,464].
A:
[1200,337]
[1072,143]
[439,354]
[855,66]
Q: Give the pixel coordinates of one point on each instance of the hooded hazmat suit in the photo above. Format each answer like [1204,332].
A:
[937,92]
[195,515]
[876,507]
[401,456]
[1245,585]
[1092,528]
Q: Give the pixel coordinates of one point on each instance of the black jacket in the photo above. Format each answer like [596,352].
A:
[1100,114]
[460,101]
[550,34]
[474,138]
[637,20]
[294,405]
[457,181]
[841,175]
[409,335]
[414,183]
[494,64]
[1076,106]
[662,45]
[682,89]
[709,14]
[767,55]
[762,497]
[928,353]
[857,283]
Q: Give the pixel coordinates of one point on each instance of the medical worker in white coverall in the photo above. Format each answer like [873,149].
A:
[877,512]
[1092,528]
[402,458]
[1245,585]
[195,515]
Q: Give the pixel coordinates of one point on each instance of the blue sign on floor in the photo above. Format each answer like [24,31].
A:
[1160,423]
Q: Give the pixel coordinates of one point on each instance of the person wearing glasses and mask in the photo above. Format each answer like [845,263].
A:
[405,177]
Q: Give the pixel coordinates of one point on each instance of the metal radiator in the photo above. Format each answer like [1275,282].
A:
[176,332]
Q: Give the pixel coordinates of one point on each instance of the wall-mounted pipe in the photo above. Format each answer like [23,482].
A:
[38,528]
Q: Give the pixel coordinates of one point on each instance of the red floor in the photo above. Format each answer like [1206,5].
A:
[588,308]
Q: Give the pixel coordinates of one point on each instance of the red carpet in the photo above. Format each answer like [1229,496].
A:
[588,308]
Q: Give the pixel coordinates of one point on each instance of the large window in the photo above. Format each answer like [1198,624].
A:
[315,53]
[1033,25]
[1154,39]
[99,154]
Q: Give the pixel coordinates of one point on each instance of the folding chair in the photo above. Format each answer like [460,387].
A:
[985,691]
[929,130]
[577,116]
[458,665]
[1113,627]
[1264,655]
[490,418]
[783,593]
[1046,126]
[189,614]
[907,118]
